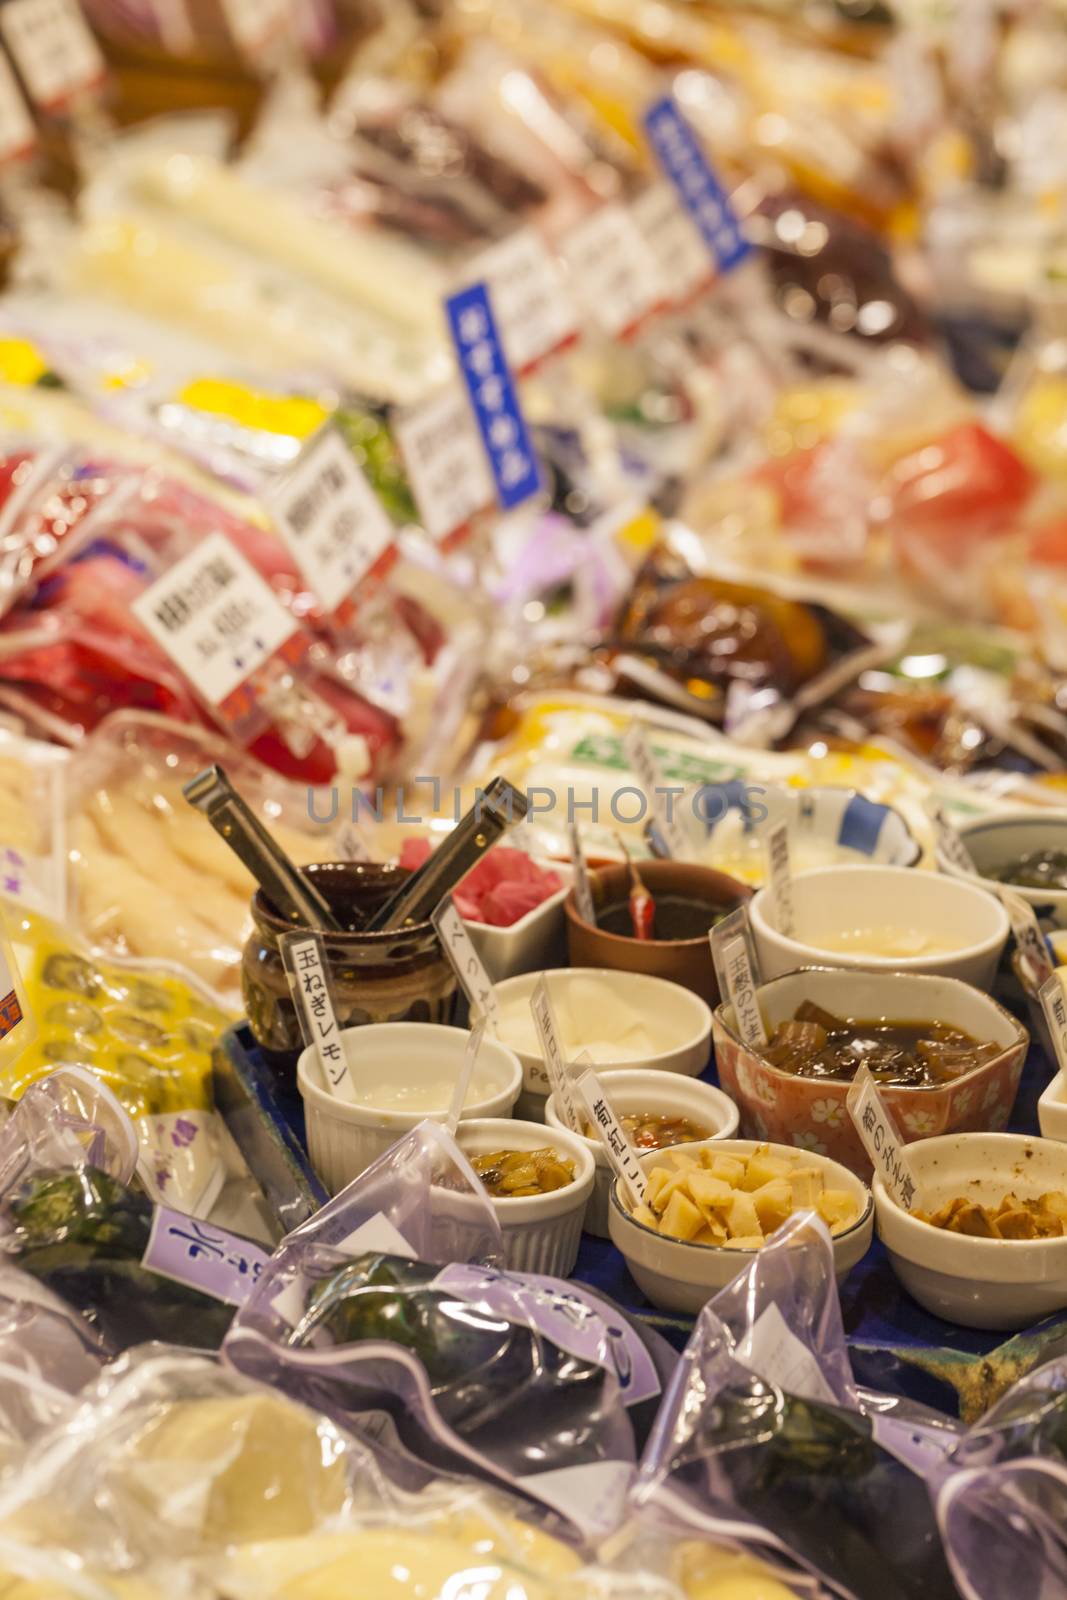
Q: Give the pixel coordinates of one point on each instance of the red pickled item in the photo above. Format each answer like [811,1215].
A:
[962,488]
[505,886]
[642,905]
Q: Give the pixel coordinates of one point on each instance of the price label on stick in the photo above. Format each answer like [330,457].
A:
[53,49]
[466,963]
[881,1140]
[686,268]
[1054,1005]
[617,1147]
[445,462]
[780,877]
[737,970]
[559,1077]
[333,524]
[530,303]
[664,798]
[1029,941]
[950,844]
[681,156]
[583,889]
[615,276]
[494,398]
[304,957]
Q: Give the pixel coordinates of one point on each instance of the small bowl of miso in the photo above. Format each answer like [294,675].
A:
[946,1058]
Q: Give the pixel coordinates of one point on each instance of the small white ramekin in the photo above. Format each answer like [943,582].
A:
[665,1094]
[343,1139]
[541,1231]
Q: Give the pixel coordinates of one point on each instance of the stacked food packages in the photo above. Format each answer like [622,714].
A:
[533,800]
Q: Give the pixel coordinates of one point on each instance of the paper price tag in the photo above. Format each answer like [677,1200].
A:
[1029,940]
[445,462]
[882,1142]
[617,1147]
[776,849]
[611,268]
[1054,1005]
[304,957]
[494,398]
[677,245]
[53,49]
[530,301]
[559,1077]
[664,798]
[681,155]
[583,889]
[950,844]
[465,962]
[741,989]
[256,24]
[332,522]
[215,617]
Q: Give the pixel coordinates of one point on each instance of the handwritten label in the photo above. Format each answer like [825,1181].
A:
[583,889]
[1054,1005]
[776,849]
[612,270]
[256,24]
[535,317]
[680,154]
[305,963]
[882,1142]
[612,1135]
[663,797]
[505,436]
[203,1257]
[1029,941]
[445,462]
[465,961]
[733,956]
[677,245]
[559,1077]
[215,617]
[332,522]
[950,845]
[53,49]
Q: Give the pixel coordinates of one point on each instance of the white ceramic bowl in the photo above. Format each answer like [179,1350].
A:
[831,899]
[678,1020]
[679,1276]
[343,1139]
[667,1095]
[536,941]
[541,1231]
[995,842]
[1052,1109]
[980,1283]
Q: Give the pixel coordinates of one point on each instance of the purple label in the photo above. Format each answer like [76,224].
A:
[572,1318]
[207,1258]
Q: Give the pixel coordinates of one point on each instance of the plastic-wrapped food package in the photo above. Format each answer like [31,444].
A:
[32,823]
[764,1435]
[47,1354]
[370,1311]
[148,876]
[145,1031]
[74,1222]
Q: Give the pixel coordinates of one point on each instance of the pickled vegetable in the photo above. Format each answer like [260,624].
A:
[649,1131]
[512,1174]
[816,1044]
[1038,869]
[1013,1218]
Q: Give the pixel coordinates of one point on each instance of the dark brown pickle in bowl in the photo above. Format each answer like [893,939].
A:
[907,1055]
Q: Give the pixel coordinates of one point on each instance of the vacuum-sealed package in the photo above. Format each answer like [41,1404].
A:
[33,838]
[385,1310]
[764,1437]
[48,1353]
[73,1219]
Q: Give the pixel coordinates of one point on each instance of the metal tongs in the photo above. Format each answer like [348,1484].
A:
[494,812]
[283,883]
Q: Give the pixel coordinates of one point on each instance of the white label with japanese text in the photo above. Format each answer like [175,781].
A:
[741,991]
[950,844]
[663,797]
[559,1077]
[530,301]
[465,961]
[583,889]
[882,1142]
[203,1257]
[1029,941]
[612,271]
[445,462]
[780,878]
[53,49]
[680,253]
[215,617]
[612,1135]
[305,963]
[1054,1005]
[333,523]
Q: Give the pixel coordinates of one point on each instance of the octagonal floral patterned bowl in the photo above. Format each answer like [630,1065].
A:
[811,1112]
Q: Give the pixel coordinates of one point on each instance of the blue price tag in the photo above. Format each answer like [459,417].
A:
[493,396]
[679,153]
